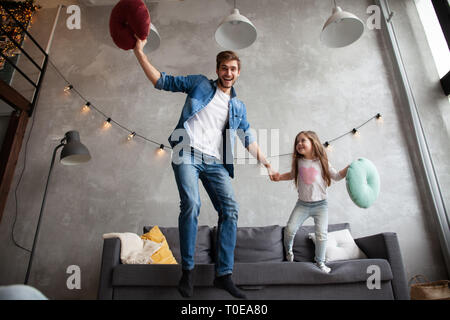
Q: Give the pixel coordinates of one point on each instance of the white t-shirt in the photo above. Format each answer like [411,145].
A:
[205,128]
[311,185]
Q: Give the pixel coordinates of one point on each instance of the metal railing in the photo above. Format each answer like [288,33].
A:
[42,68]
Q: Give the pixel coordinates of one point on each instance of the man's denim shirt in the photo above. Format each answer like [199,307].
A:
[200,91]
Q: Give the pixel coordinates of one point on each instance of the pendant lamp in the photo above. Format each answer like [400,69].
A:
[235,31]
[341,29]
[153,39]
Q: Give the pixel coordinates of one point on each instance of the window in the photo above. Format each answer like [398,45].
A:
[434,31]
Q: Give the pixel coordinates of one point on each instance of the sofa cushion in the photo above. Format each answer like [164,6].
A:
[344,271]
[253,274]
[303,248]
[340,246]
[202,247]
[129,18]
[257,244]
[164,255]
[363,182]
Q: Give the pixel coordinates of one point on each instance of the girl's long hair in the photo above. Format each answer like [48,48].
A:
[318,152]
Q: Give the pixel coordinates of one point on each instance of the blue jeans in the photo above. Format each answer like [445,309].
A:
[302,211]
[217,182]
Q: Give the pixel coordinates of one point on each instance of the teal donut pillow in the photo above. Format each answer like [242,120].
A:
[363,182]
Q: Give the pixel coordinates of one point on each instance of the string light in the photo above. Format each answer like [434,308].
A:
[107,123]
[86,107]
[22,12]
[160,150]
[379,117]
[355,132]
[131,135]
[328,146]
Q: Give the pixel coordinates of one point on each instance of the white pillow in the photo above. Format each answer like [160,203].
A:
[340,246]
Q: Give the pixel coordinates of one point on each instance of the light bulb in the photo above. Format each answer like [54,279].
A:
[107,123]
[131,135]
[86,107]
[161,149]
[68,88]
[379,117]
[328,146]
[355,132]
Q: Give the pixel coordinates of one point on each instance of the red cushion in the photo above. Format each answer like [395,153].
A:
[129,17]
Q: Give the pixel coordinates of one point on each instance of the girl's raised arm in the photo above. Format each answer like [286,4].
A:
[343,172]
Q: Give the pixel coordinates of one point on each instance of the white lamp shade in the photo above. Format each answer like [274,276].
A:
[341,29]
[235,32]
[153,39]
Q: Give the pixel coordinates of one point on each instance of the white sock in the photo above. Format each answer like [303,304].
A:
[323,267]
[290,256]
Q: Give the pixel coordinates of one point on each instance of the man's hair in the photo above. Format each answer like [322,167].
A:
[226,56]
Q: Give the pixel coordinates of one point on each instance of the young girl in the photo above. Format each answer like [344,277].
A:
[312,174]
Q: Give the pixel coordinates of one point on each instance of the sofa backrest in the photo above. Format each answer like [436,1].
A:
[253,244]
[304,249]
[257,244]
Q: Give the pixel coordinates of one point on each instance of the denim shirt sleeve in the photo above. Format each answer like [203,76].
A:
[244,132]
[177,83]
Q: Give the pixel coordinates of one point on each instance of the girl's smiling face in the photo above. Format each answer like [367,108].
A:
[304,146]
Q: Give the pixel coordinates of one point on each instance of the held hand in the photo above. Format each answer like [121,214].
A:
[343,172]
[273,175]
[276,177]
[139,45]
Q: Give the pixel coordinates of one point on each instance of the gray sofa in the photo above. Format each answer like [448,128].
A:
[260,268]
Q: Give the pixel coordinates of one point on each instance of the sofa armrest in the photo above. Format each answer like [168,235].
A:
[386,246]
[110,259]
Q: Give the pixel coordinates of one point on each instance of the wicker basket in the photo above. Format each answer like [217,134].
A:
[426,290]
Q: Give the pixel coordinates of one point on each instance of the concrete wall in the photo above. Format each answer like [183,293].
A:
[432,105]
[289,81]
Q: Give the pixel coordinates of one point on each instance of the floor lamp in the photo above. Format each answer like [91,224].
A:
[74,152]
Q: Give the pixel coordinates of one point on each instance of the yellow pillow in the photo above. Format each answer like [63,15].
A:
[164,254]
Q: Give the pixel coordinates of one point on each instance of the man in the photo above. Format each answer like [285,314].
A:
[210,119]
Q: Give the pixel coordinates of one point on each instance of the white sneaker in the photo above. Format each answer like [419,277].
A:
[290,257]
[323,267]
